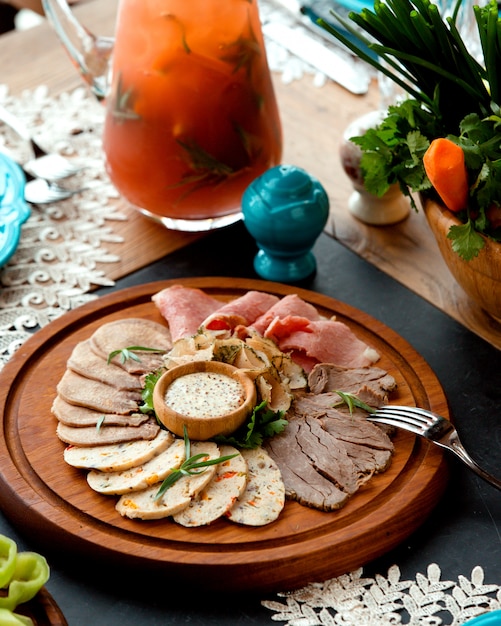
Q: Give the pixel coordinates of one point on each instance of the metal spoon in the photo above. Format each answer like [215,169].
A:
[40,191]
[51,166]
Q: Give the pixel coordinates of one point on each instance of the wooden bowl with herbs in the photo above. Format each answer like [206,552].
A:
[443,141]
[480,277]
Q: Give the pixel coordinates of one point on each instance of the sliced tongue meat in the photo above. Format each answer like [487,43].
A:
[132,332]
[92,394]
[84,361]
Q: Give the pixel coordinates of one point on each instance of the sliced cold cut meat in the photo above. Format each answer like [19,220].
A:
[290,305]
[184,309]
[79,416]
[92,394]
[328,341]
[84,361]
[90,436]
[242,311]
[128,333]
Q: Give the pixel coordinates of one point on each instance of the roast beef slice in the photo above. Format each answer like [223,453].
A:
[325,455]
[352,428]
[328,456]
[371,384]
[302,481]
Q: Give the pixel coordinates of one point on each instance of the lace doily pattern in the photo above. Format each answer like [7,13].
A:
[63,245]
[353,600]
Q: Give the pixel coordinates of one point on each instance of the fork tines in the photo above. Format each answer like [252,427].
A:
[414,419]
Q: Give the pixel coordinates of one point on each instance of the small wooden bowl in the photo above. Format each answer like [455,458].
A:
[202,428]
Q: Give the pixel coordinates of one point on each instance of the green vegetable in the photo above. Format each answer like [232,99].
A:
[352,401]
[262,423]
[30,574]
[22,575]
[451,95]
[129,353]
[393,152]
[8,554]
[8,618]
[426,55]
[192,466]
[100,422]
[147,394]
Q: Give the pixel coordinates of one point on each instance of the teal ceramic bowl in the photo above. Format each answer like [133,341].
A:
[13,209]
[487,619]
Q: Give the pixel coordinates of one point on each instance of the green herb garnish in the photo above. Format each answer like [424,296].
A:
[262,423]
[352,401]
[147,393]
[122,107]
[100,422]
[129,353]
[192,466]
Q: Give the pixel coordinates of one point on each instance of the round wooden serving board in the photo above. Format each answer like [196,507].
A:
[52,500]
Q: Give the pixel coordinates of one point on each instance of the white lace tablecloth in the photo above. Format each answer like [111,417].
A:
[55,269]
[353,600]
[54,266]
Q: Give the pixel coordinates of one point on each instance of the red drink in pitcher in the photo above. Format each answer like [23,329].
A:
[192,117]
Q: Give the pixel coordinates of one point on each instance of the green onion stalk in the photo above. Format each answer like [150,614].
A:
[426,56]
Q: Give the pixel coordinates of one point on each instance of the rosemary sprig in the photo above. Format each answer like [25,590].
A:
[100,422]
[191,466]
[122,106]
[129,353]
[352,401]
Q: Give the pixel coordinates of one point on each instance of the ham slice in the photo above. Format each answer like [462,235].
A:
[241,312]
[184,308]
[292,323]
[291,305]
[326,341]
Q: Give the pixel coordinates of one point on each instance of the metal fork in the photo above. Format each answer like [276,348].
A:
[51,166]
[433,428]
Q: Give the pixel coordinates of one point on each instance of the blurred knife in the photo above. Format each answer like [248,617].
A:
[300,43]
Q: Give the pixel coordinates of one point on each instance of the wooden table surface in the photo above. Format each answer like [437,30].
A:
[313,120]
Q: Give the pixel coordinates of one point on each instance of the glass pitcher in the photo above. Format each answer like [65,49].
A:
[191,116]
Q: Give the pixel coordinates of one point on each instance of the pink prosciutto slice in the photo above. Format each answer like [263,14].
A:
[242,311]
[291,305]
[184,308]
[326,341]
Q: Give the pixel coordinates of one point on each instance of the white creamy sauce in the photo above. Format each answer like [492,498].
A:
[204,394]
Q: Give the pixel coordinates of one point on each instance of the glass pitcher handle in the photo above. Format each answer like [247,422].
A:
[90,53]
